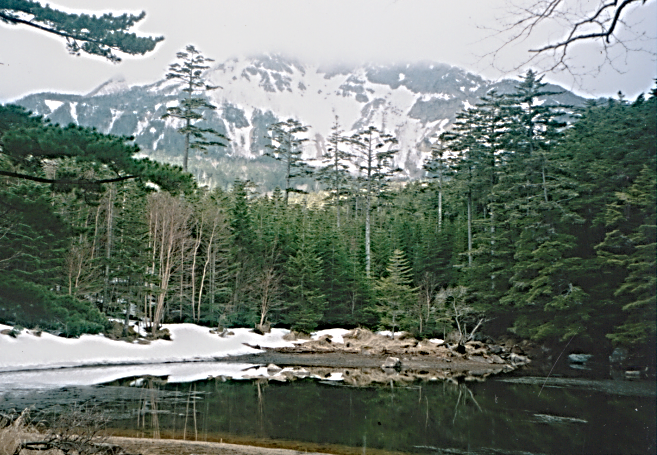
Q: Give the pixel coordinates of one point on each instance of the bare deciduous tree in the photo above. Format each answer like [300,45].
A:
[427,291]
[213,233]
[576,21]
[168,229]
[267,286]
[455,307]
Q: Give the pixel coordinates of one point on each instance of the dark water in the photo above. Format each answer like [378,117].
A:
[500,416]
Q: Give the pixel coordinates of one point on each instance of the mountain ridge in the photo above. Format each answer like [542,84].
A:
[414,101]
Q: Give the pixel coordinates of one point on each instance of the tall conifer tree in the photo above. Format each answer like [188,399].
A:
[305,301]
[286,146]
[374,152]
[191,107]
[395,293]
[336,172]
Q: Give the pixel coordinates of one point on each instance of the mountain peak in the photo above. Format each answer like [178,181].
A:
[114,85]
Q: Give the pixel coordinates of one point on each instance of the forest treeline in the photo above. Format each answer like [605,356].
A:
[535,221]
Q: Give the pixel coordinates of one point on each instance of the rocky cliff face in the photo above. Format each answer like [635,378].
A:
[414,101]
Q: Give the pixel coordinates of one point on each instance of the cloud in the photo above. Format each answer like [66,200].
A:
[318,31]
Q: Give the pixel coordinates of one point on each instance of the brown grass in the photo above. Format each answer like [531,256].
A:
[78,431]
[12,434]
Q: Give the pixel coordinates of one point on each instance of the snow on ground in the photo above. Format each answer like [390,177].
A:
[189,343]
[388,333]
[30,361]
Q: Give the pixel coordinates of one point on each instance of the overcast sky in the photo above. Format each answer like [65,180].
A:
[316,31]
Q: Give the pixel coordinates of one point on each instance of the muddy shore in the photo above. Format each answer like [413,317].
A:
[347,360]
[144,446]
[362,358]
[361,371]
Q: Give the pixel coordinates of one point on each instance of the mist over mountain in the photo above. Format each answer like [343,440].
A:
[415,101]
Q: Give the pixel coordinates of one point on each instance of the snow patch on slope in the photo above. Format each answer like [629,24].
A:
[74,111]
[116,113]
[53,104]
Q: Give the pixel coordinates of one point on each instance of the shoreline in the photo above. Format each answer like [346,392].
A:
[196,352]
[362,370]
[163,446]
[234,445]
[339,359]
[291,366]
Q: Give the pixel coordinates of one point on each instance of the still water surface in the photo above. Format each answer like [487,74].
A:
[504,415]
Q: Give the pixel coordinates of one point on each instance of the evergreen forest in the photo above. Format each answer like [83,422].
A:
[533,221]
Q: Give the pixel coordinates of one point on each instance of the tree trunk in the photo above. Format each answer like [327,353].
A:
[168,235]
[470,229]
[368,209]
[440,197]
[197,244]
[186,154]
[337,182]
[545,194]
[289,168]
[182,279]
[108,246]
[492,248]
[440,210]
[205,268]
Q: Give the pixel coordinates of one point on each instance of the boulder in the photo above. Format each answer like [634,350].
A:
[223,333]
[262,329]
[325,339]
[273,369]
[518,360]
[478,351]
[579,358]
[162,334]
[495,349]
[496,359]
[359,334]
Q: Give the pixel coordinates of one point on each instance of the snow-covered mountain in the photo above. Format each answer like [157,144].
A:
[415,102]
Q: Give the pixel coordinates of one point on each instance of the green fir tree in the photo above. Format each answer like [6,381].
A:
[191,108]
[94,35]
[396,295]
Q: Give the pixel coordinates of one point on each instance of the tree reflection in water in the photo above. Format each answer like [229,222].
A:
[148,404]
[480,417]
[261,384]
[191,396]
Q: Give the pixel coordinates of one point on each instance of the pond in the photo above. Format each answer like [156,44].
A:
[502,415]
